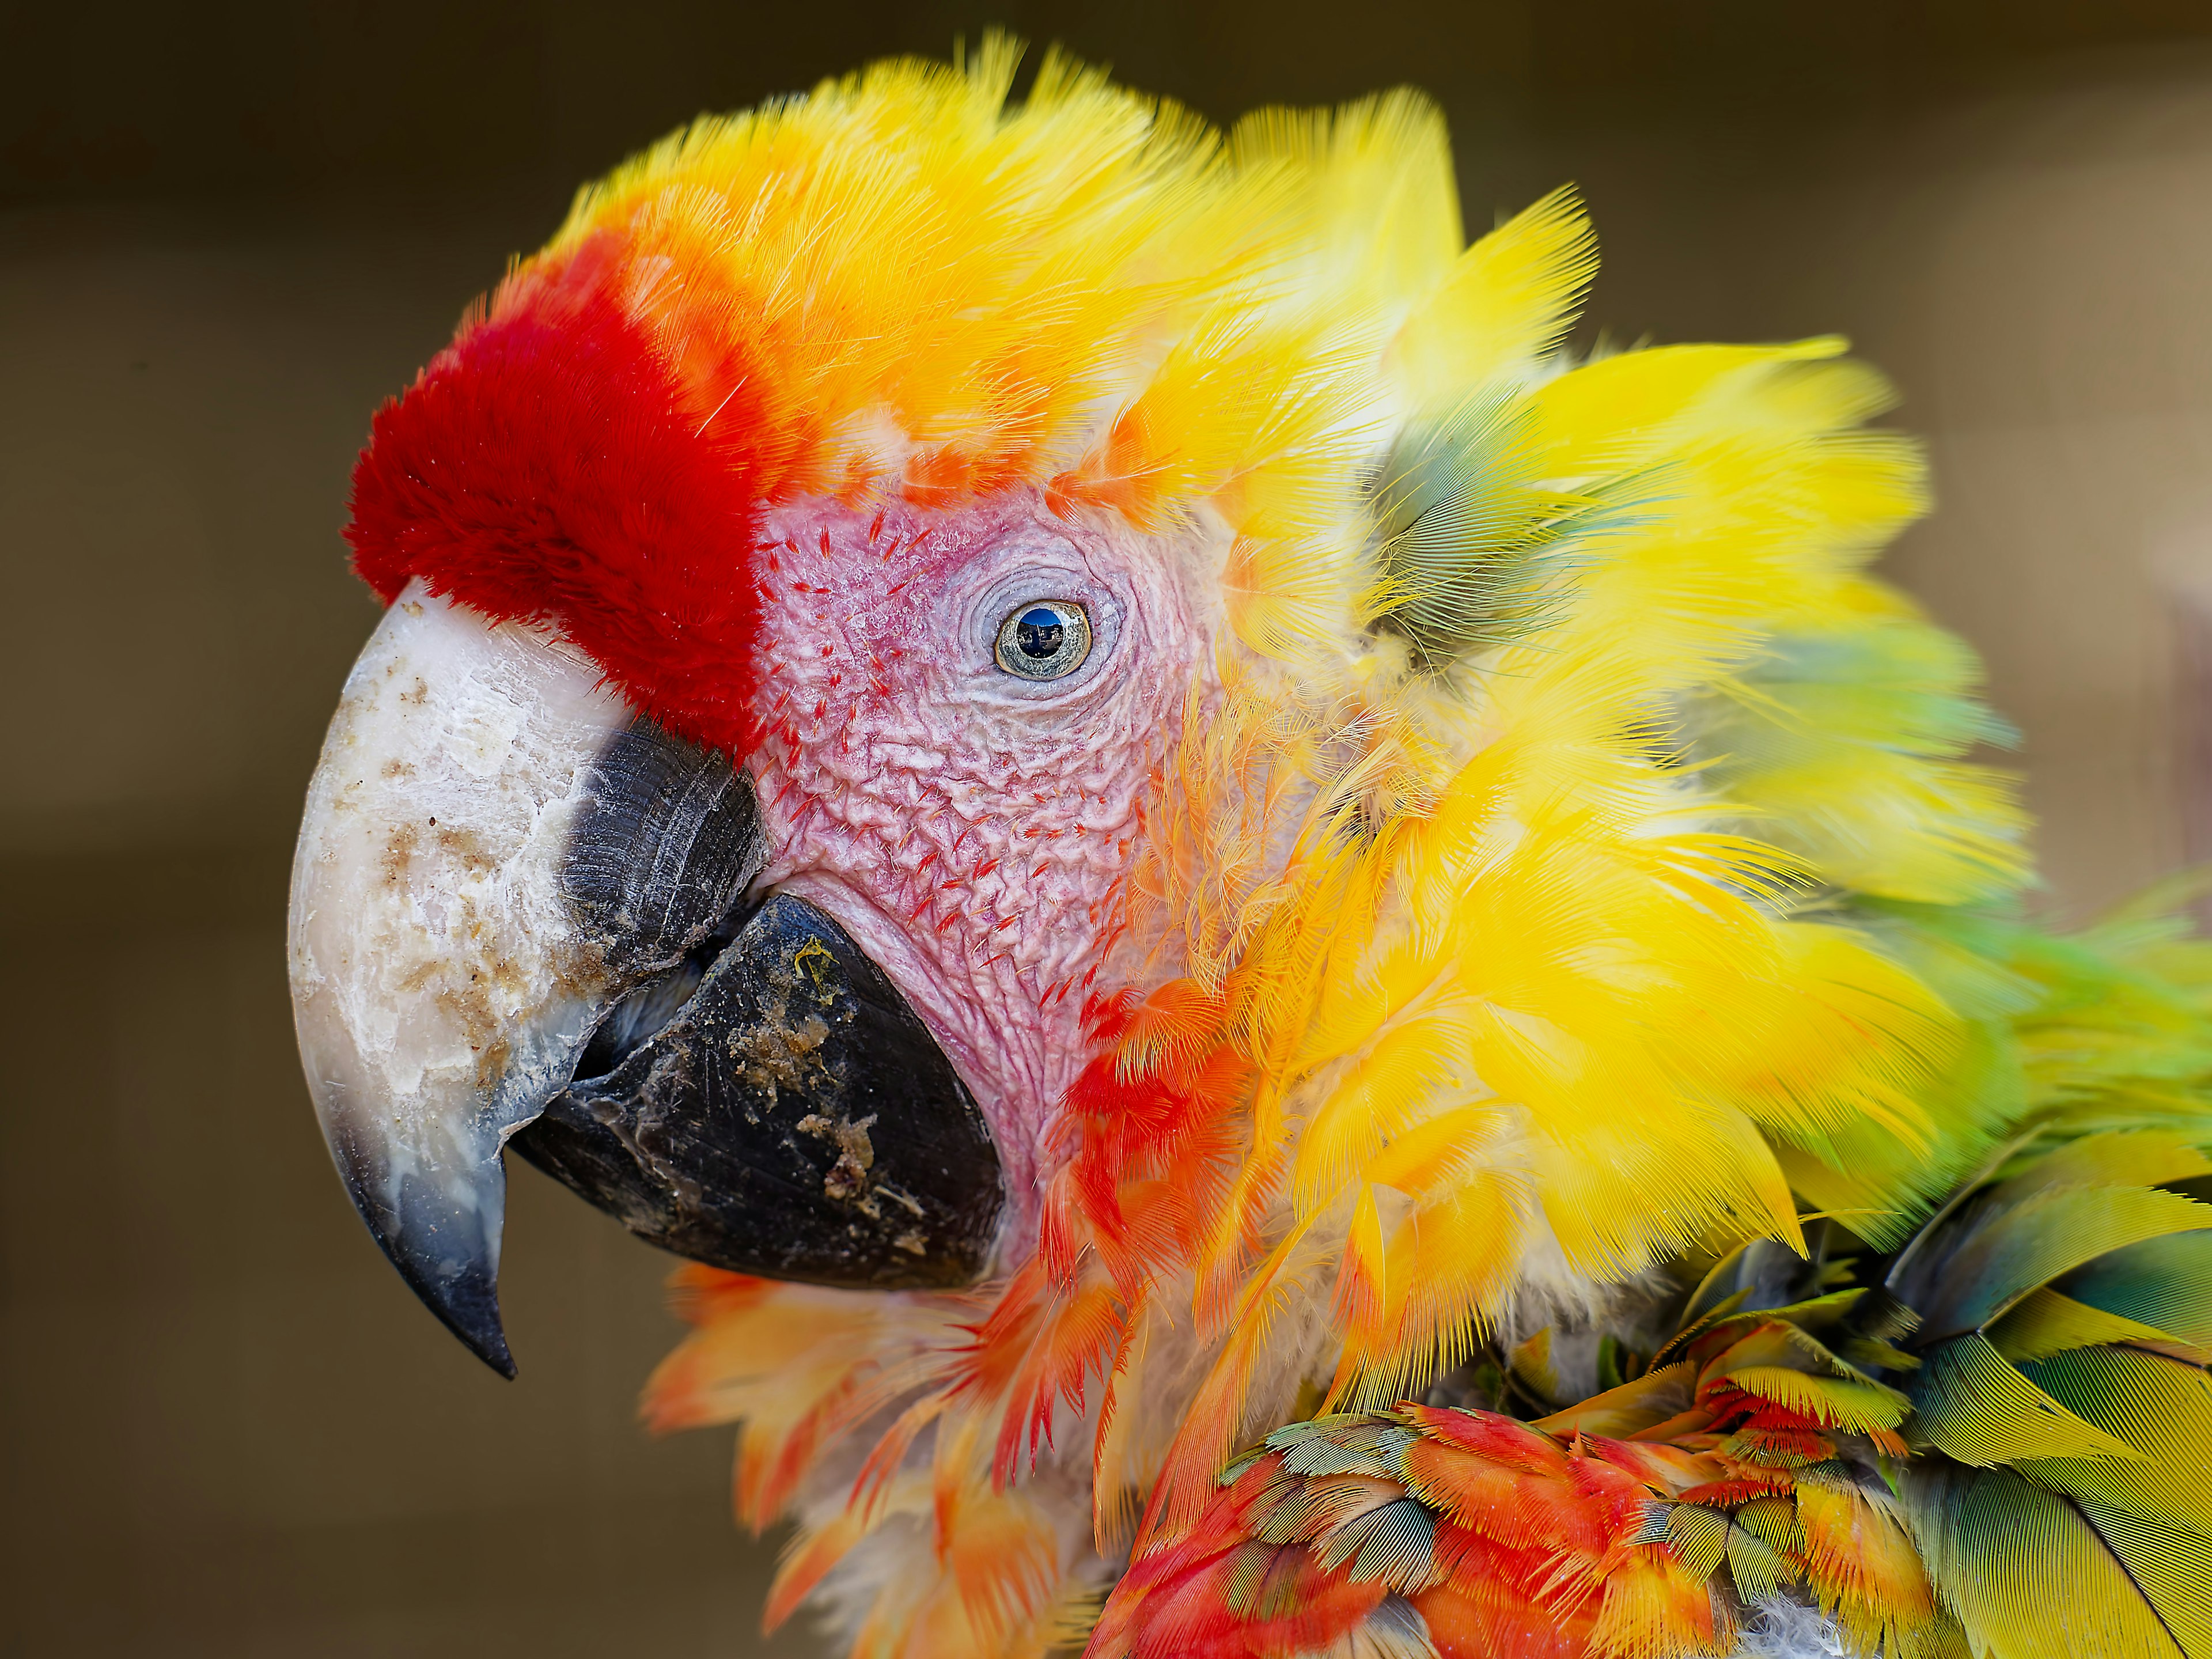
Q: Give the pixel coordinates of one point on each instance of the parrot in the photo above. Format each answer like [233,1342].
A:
[1302,969]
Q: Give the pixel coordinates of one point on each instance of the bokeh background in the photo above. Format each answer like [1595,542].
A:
[228,230]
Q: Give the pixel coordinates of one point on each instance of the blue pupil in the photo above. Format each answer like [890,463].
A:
[1039,633]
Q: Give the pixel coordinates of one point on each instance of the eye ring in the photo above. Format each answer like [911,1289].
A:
[1044,640]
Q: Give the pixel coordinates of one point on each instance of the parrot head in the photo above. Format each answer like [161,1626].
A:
[738,807]
[1073,753]
[801,1002]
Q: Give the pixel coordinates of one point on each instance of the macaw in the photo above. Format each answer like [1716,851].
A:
[1304,973]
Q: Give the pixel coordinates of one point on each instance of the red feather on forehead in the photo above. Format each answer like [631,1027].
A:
[551,466]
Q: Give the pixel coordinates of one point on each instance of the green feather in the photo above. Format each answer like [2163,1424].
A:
[1394,1543]
[2167,1562]
[1760,1574]
[2024,1569]
[2046,1322]
[1470,540]
[1263,1580]
[1999,1252]
[2160,1405]
[1844,745]
[2162,1282]
[1973,1405]
[1698,1537]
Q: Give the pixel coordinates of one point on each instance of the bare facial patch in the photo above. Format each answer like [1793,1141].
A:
[972,827]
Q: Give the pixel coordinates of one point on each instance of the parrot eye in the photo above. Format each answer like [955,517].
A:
[1044,640]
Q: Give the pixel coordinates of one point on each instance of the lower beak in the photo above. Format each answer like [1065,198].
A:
[521,914]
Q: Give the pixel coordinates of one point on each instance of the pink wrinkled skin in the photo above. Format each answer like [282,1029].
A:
[972,831]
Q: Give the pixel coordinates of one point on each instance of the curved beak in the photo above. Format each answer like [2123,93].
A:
[521,914]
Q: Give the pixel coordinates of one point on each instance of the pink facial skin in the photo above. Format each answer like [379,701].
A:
[973,831]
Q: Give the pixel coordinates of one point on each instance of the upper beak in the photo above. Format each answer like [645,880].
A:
[520,912]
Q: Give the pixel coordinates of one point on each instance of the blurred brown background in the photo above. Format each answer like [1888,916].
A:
[225,231]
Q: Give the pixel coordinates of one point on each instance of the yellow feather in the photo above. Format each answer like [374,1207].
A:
[1505,306]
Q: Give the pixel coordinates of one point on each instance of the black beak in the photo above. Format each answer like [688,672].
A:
[792,1118]
[723,1070]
